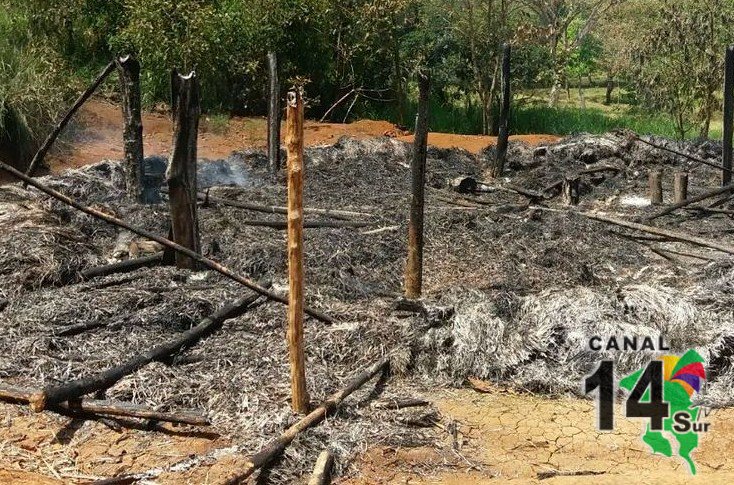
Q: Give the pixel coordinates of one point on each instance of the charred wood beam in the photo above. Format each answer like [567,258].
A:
[51,138]
[306,225]
[123,266]
[97,407]
[53,395]
[219,268]
[273,449]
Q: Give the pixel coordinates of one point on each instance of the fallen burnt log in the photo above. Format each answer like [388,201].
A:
[96,407]
[48,143]
[685,203]
[273,449]
[306,225]
[53,395]
[672,235]
[209,263]
[274,209]
[123,266]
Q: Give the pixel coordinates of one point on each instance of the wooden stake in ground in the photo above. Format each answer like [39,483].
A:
[680,187]
[728,116]
[181,173]
[51,138]
[699,198]
[209,263]
[128,69]
[656,187]
[504,128]
[321,474]
[294,146]
[275,447]
[273,114]
[414,266]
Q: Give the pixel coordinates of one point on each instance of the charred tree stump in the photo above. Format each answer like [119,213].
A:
[181,173]
[680,187]
[273,114]
[51,138]
[294,145]
[504,128]
[571,194]
[728,116]
[129,71]
[656,187]
[414,266]
[54,395]
[275,447]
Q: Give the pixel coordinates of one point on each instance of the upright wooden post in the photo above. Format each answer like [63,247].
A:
[504,128]
[181,173]
[128,69]
[414,266]
[273,114]
[728,116]
[294,147]
[680,187]
[656,187]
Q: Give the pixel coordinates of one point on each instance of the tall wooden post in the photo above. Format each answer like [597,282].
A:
[273,114]
[129,71]
[294,147]
[181,173]
[504,128]
[414,266]
[680,187]
[655,179]
[728,115]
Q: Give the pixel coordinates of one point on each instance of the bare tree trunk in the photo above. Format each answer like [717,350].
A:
[610,89]
[582,97]
[129,70]
[414,266]
[274,115]
[181,173]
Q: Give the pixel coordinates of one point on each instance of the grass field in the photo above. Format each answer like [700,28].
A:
[531,114]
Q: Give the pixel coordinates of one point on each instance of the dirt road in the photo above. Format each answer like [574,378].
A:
[504,437]
[98,135]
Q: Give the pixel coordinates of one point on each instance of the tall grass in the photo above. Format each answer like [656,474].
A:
[35,87]
[528,119]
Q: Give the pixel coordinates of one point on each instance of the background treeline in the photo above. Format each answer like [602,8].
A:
[652,65]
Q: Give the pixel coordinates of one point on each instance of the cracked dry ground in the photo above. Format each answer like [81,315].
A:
[503,437]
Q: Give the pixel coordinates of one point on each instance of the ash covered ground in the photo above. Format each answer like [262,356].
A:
[513,291]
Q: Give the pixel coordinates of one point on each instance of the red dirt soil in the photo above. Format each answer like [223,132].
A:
[97,135]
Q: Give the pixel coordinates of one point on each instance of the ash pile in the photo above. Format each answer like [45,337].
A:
[514,285]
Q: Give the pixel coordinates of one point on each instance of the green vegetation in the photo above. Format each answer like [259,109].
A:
[663,59]
[34,86]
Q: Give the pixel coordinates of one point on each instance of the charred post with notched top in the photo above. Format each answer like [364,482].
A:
[181,173]
[414,266]
[129,71]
